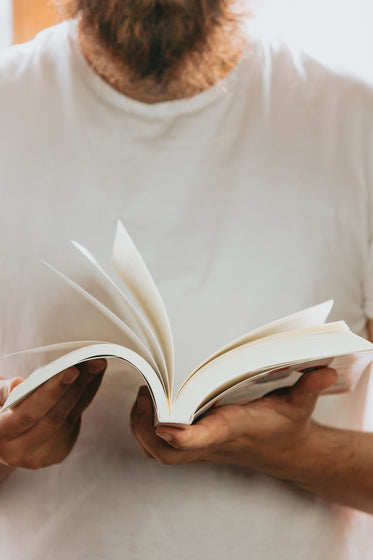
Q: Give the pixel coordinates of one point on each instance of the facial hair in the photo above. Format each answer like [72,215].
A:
[162,42]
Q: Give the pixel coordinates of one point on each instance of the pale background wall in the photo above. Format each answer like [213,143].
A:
[338,32]
[6,23]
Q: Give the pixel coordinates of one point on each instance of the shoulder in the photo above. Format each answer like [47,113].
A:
[27,66]
[45,46]
[288,71]
[32,77]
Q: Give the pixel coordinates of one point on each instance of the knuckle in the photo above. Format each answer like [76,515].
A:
[228,414]
[56,415]
[229,423]
[182,445]
[52,390]
[26,420]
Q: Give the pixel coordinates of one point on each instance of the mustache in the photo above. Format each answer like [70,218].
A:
[151,36]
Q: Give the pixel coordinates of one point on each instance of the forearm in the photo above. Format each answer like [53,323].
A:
[336,465]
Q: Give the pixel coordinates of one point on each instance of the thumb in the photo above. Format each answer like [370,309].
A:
[7,386]
[306,391]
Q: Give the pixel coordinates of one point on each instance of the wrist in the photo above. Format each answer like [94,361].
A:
[311,457]
[328,461]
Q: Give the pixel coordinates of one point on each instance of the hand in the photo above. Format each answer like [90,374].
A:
[42,429]
[267,435]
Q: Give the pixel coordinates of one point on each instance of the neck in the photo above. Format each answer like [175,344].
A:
[196,73]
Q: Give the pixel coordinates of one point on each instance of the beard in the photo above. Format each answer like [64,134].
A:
[159,42]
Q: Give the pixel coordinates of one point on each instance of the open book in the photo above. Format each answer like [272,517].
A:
[265,359]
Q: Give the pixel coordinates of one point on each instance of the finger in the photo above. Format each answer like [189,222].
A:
[92,367]
[15,421]
[85,398]
[7,386]
[69,407]
[217,427]
[142,424]
[142,418]
[51,452]
[51,403]
[306,391]
[61,445]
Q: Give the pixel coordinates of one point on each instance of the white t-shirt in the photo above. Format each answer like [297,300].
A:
[248,202]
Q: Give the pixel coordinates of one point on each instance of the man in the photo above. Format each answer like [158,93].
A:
[243,173]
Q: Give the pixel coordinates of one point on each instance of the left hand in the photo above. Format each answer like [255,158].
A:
[267,435]
[43,428]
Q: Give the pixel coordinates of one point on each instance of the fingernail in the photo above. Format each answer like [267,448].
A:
[70,376]
[314,368]
[96,366]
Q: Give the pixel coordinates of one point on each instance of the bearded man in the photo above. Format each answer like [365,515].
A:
[243,172]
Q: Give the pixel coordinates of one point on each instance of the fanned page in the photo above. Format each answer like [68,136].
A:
[103,287]
[138,345]
[309,317]
[42,374]
[280,350]
[131,315]
[349,368]
[130,266]
[141,337]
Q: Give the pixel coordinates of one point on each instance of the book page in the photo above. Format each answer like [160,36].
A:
[258,385]
[94,279]
[349,368]
[309,317]
[280,350]
[42,374]
[130,266]
[138,345]
[127,311]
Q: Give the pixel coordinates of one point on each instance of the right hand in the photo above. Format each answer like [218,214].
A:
[42,429]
